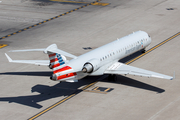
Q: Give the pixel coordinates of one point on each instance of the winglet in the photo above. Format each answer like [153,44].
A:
[9,59]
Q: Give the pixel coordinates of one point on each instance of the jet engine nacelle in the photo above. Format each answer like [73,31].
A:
[53,77]
[91,66]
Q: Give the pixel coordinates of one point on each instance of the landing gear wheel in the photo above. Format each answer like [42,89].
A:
[144,50]
[112,78]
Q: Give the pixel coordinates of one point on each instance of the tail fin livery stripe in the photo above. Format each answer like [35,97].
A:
[53,60]
[56,61]
[55,65]
[61,61]
[52,55]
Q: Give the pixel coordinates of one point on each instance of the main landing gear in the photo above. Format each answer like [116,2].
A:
[112,78]
[144,50]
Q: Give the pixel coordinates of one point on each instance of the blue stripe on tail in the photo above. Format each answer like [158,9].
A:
[60,60]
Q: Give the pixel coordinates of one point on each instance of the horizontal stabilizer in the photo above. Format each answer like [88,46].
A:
[35,62]
[53,48]
[28,50]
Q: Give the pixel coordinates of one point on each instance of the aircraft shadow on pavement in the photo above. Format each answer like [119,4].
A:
[66,89]
[135,83]
[35,73]
[47,92]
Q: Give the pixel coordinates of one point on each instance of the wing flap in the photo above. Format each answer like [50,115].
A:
[120,68]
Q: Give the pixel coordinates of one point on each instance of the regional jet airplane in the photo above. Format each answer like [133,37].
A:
[103,60]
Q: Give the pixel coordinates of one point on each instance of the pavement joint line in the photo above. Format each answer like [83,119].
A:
[101,78]
[24,29]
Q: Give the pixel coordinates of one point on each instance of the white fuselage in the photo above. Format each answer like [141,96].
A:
[103,60]
[110,53]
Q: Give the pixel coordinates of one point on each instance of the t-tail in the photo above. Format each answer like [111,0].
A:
[58,63]
[56,60]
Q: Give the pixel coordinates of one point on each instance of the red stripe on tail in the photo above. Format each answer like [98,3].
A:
[53,60]
[56,65]
[51,55]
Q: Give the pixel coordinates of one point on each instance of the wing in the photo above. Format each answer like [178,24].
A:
[35,62]
[120,68]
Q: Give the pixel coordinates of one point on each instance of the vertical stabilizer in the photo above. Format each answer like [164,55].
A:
[61,71]
[56,61]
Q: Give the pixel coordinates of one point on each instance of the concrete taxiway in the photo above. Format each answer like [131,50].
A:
[26,91]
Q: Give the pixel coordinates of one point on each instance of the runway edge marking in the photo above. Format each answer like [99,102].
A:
[93,83]
[24,29]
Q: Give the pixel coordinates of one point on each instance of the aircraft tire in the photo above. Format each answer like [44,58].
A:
[112,78]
